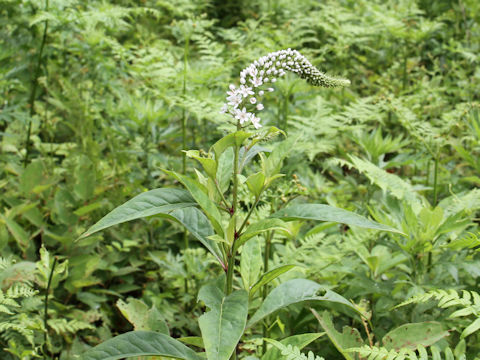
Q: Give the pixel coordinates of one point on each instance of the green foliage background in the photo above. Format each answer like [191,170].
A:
[93,95]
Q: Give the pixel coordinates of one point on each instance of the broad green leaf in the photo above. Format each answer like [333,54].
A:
[192,340]
[140,343]
[251,262]
[199,194]
[260,227]
[153,202]
[245,156]
[322,212]
[234,139]
[349,338]
[223,325]
[174,204]
[255,183]
[295,291]
[410,335]
[299,341]
[270,276]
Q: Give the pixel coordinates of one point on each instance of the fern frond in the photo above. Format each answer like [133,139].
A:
[292,352]
[62,326]
[421,353]
[470,241]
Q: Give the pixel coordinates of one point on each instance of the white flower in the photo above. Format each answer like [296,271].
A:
[274,80]
[235,100]
[242,80]
[259,107]
[245,91]
[256,81]
[242,115]
[224,109]
[253,100]
[271,89]
[261,92]
[255,121]
[233,90]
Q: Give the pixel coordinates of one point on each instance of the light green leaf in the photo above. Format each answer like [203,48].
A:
[222,326]
[260,227]
[251,262]
[322,212]
[234,139]
[270,276]
[349,338]
[255,183]
[199,194]
[411,335]
[209,165]
[140,343]
[470,329]
[292,292]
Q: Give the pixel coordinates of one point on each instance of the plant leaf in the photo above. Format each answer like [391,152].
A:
[299,341]
[323,212]
[410,335]
[140,343]
[292,292]
[269,276]
[222,326]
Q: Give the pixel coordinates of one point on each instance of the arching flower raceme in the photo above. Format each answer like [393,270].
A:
[267,70]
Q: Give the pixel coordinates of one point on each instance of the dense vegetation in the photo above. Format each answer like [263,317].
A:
[98,100]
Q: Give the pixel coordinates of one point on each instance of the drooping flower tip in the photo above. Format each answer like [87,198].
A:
[268,69]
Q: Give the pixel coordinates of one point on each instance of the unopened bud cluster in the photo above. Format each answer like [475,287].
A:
[244,101]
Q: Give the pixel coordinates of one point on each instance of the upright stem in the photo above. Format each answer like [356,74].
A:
[45,314]
[33,93]
[266,257]
[435,177]
[404,81]
[184,138]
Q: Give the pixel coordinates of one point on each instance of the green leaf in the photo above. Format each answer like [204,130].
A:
[234,139]
[349,338]
[199,194]
[292,292]
[298,341]
[470,329]
[411,335]
[141,317]
[222,326]
[255,183]
[21,236]
[174,204]
[140,343]
[270,276]
[260,227]
[209,165]
[251,262]
[153,202]
[322,212]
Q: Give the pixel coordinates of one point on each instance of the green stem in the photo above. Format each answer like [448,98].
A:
[435,178]
[45,314]
[231,255]
[266,257]
[33,93]
[248,215]
[404,82]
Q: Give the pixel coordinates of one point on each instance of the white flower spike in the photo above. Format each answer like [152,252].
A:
[275,65]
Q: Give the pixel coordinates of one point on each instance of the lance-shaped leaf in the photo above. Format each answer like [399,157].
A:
[323,212]
[232,139]
[140,343]
[198,192]
[223,325]
[175,204]
[270,276]
[292,292]
[260,227]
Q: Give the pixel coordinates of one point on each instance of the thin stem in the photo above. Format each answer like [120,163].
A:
[266,257]
[248,215]
[231,255]
[435,178]
[184,138]
[33,93]
[221,194]
[45,314]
